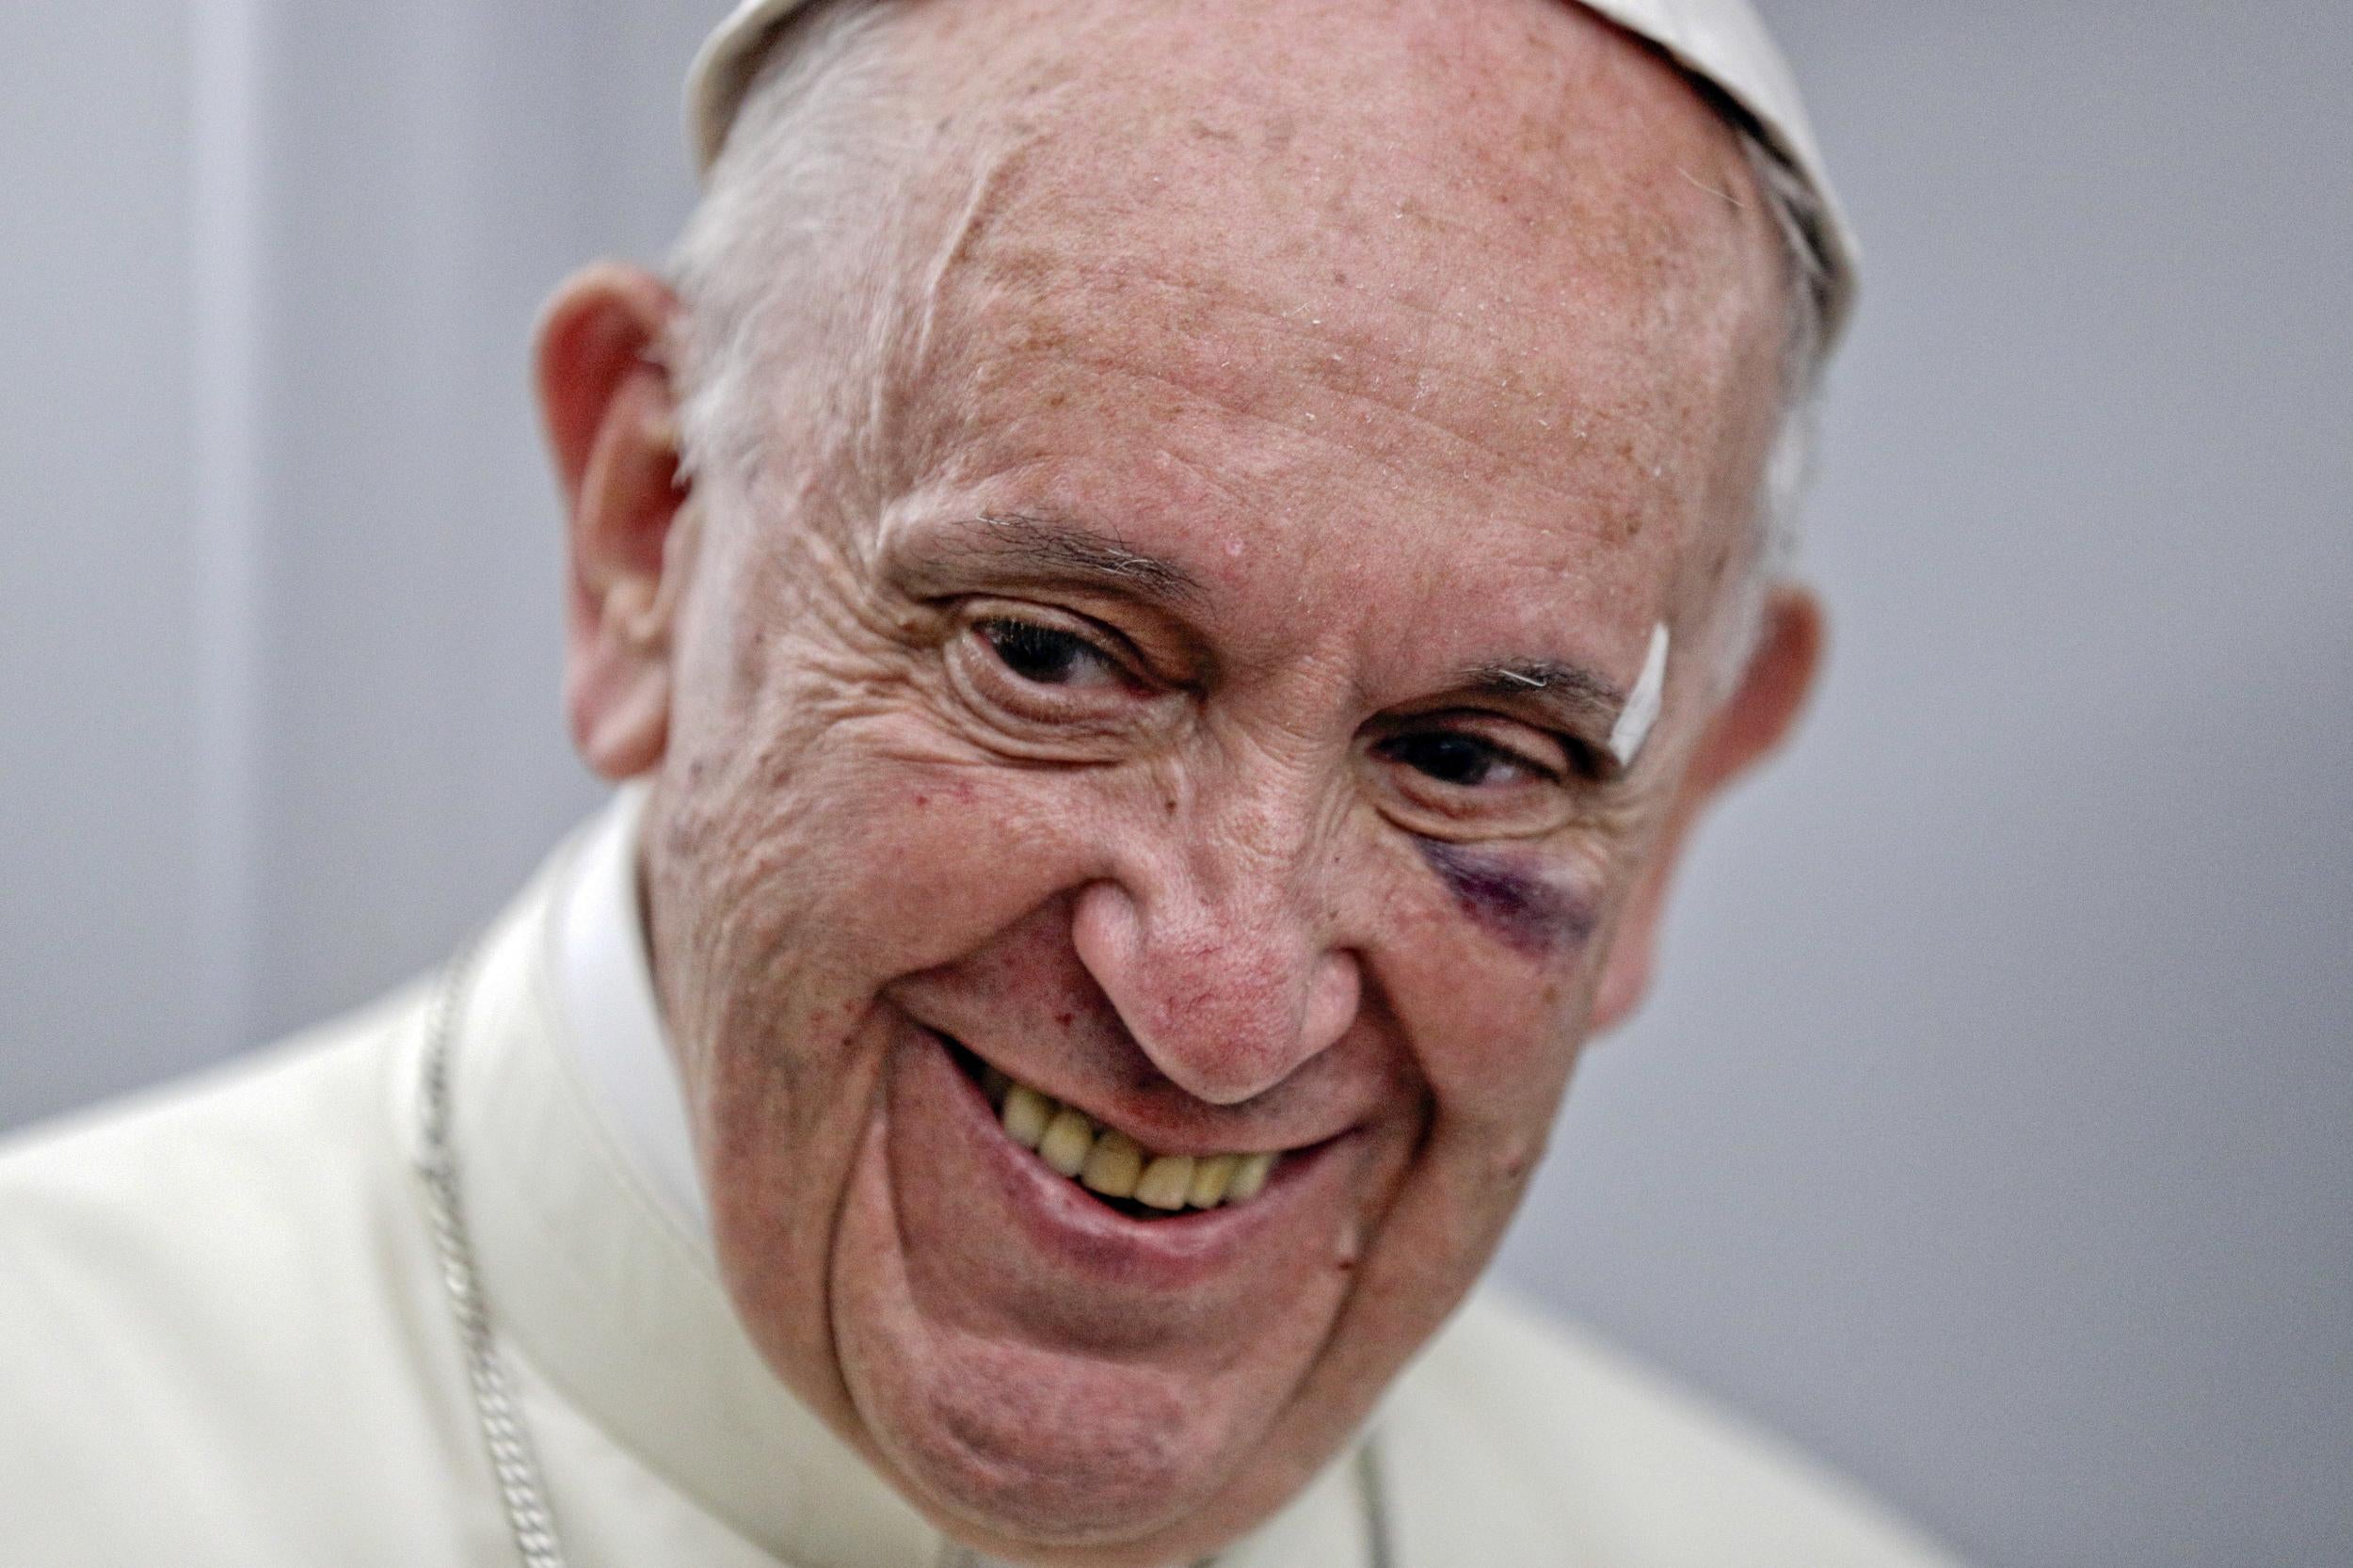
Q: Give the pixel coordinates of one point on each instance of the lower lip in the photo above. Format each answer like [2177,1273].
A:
[1067,1224]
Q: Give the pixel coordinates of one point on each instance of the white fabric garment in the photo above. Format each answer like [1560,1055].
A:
[225,1341]
[613,1021]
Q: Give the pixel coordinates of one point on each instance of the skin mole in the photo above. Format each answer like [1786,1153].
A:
[1520,910]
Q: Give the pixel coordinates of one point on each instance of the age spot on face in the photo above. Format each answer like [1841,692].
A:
[1518,908]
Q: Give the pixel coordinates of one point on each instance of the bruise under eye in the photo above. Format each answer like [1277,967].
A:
[1520,910]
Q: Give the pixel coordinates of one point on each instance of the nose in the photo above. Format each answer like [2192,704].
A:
[1216,944]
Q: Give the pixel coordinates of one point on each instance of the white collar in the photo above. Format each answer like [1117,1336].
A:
[604,988]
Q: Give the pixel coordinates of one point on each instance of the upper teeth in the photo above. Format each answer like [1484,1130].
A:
[1114,1164]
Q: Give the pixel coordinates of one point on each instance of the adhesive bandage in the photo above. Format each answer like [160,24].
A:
[1642,707]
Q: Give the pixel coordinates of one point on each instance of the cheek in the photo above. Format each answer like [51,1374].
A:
[1491,977]
[1513,904]
[891,865]
[939,860]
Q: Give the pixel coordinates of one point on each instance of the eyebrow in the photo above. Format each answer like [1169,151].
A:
[1044,547]
[1571,696]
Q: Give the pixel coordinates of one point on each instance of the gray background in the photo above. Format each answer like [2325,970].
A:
[1988,1133]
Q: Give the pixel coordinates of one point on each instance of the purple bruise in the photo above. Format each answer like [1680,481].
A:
[1523,911]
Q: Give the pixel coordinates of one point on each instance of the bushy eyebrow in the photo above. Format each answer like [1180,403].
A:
[1052,549]
[1572,696]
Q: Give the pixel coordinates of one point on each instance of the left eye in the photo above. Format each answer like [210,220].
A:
[1045,655]
[1450,757]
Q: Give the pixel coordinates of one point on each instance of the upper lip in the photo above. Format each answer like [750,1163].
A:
[1159,1132]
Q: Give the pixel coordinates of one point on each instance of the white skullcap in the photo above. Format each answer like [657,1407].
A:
[1720,42]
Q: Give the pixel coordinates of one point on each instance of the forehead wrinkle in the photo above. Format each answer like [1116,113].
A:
[1031,294]
[992,297]
[1016,243]
[910,347]
[1430,129]
[1335,349]
[1018,210]
[1543,494]
[1305,430]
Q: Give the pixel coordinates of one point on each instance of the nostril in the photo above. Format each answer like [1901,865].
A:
[1334,992]
[1107,931]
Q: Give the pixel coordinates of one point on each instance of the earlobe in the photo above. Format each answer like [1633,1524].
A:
[609,411]
[1760,714]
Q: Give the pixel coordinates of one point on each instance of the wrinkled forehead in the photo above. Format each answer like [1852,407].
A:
[1536,98]
[1525,150]
[1526,214]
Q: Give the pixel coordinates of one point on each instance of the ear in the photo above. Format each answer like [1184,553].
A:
[607,407]
[1758,716]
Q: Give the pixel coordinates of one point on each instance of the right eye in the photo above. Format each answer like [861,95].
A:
[1046,677]
[1047,655]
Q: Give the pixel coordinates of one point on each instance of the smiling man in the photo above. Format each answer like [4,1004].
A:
[1171,579]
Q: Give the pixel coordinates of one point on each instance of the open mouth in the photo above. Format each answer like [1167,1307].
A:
[1118,1171]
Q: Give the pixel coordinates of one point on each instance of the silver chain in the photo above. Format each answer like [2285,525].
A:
[521,1491]
[518,1469]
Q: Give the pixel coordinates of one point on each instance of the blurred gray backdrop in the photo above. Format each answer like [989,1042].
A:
[1989,1132]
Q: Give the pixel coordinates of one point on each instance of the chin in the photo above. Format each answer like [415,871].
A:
[1041,1449]
[1060,1391]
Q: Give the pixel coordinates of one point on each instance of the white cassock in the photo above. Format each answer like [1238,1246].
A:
[225,1336]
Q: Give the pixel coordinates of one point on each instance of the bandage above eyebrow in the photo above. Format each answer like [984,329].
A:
[1642,707]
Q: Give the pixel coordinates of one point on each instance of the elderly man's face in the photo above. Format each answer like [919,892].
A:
[1168,665]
